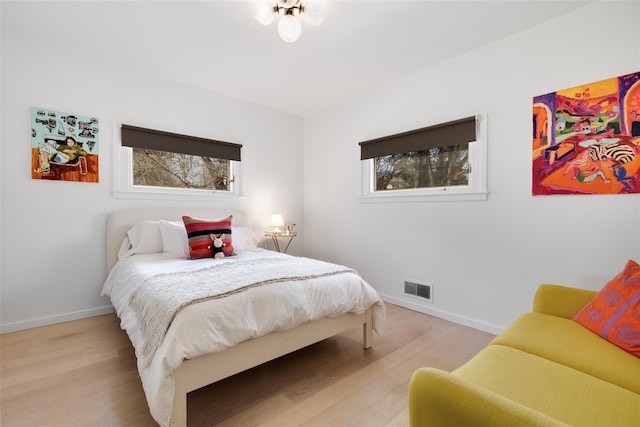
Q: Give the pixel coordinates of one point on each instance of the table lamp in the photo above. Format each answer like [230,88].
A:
[277,222]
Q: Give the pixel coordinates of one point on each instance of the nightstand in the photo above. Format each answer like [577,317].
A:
[281,235]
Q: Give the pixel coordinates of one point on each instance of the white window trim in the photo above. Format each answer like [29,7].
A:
[475,191]
[123,187]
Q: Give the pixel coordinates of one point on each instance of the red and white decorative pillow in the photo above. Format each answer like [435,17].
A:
[199,234]
[614,313]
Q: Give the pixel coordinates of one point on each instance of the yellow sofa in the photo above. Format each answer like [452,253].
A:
[543,370]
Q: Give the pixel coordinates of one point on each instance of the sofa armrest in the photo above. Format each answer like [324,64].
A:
[439,398]
[561,301]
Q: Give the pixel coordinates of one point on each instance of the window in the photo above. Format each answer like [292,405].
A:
[437,167]
[441,162]
[177,170]
[156,164]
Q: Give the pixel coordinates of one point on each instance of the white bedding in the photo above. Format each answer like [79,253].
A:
[218,324]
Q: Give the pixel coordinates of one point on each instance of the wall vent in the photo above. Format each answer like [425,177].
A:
[422,290]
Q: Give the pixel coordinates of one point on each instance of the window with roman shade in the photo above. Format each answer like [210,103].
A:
[445,158]
[154,163]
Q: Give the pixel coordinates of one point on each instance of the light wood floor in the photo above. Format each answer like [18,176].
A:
[83,373]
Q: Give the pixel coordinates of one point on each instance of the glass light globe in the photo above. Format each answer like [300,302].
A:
[265,14]
[313,13]
[287,3]
[289,28]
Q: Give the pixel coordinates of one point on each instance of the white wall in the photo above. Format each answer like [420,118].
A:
[485,259]
[53,232]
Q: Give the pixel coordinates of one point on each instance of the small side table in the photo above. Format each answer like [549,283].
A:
[284,234]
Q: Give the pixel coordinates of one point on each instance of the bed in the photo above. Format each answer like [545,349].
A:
[192,344]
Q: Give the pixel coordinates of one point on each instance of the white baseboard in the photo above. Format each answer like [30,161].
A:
[452,317]
[50,320]
[406,303]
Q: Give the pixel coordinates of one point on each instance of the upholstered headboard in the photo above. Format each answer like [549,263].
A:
[119,222]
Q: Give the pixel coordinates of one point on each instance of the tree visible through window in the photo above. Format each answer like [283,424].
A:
[177,170]
[437,167]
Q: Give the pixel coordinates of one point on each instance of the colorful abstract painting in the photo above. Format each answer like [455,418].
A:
[586,139]
[64,146]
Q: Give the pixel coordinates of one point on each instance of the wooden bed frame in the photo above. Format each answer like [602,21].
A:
[209,368]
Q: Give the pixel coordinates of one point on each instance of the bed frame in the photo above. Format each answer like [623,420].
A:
[209,368]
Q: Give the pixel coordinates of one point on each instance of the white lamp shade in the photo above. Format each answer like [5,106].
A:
[289,28]
[276,220]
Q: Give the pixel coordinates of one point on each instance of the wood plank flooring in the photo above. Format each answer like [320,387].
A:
[83,373]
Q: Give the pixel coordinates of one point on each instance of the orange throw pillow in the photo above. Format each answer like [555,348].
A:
[199,234]
[614,313]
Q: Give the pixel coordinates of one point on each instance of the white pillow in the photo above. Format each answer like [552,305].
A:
[243,238]
[124,250]
[144,238]
[174,238]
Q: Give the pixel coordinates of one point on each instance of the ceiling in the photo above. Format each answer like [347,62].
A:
[219,46]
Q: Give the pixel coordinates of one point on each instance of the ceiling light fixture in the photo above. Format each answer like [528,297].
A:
[290,12]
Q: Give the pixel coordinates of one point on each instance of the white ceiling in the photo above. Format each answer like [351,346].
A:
[219,46]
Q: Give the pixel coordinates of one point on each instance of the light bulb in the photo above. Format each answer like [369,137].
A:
[265,14]
[289,28]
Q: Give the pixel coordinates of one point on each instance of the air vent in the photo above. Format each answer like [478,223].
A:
[422,290]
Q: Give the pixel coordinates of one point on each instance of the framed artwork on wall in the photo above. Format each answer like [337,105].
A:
[64,147]
[586,139]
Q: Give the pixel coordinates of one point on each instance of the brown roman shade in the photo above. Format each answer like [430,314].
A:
[150,139]
[440,135]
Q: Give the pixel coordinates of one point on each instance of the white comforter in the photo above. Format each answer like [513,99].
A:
[218,324]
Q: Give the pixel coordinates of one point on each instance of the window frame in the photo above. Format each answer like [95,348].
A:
[475,191]
[123,187]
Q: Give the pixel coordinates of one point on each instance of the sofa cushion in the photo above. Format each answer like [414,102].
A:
[439,398]
[568,343]
[614,313]
[563,393]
